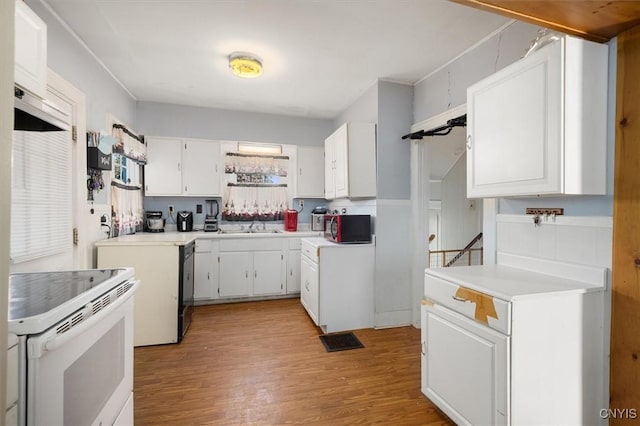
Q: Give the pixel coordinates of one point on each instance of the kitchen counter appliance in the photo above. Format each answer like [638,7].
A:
[211,219]
[317,218]
[68,323]
[184,221]
[348,228]
[153,222]
[291,220]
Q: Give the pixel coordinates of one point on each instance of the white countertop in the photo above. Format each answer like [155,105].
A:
[322,242]
[182,238]
[508,283]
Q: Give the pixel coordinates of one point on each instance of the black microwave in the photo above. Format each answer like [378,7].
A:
[348,228]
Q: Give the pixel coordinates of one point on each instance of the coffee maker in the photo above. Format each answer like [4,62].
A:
[211,219]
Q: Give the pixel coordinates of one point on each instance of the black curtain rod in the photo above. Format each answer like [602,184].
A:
[439,131]
[129,132]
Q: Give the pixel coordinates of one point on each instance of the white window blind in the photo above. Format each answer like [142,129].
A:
[41,199]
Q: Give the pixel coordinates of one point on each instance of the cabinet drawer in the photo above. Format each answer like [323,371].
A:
[203,246]
[309,250]
[495,313]
[251,244]
[294,244]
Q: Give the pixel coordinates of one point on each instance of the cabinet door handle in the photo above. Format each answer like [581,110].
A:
[306,285]
[246,274]
[468,141]
[255,274]
[291,271]
[178,166]
[208,275]
[458,299]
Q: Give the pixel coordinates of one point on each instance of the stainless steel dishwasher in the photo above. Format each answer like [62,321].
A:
[185,305]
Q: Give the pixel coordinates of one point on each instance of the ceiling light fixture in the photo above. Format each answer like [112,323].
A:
[245,65]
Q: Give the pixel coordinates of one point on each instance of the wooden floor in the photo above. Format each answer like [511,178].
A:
[261,363]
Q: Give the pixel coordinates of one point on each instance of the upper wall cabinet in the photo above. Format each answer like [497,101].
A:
[31,50]
[350,162]
[310,172]
[538,126]
[187,167]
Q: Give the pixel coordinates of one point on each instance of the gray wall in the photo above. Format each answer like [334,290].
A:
[447,88]
[364,109]
[390,106]
[395,111]
[70,60]
[160,119]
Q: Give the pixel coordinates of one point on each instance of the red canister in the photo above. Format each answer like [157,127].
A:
[291,220]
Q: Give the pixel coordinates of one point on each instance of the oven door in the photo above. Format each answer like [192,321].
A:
[83,376]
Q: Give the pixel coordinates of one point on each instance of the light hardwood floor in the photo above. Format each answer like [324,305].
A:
[261,363]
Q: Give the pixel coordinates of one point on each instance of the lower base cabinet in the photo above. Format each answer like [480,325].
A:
[293,266]
[338,284]
[532,359]
[234,274]
[246,268]
[251,268]
[206,270]
[461,351]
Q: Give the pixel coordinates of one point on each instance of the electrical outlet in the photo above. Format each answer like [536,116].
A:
[170,208]
[301,203]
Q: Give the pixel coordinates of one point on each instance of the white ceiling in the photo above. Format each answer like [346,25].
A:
[319,56]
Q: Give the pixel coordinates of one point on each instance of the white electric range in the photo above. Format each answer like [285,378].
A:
[75,331]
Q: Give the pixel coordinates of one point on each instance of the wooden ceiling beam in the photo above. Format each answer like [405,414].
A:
[593,20]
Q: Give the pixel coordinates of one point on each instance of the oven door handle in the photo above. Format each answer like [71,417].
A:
[52,340]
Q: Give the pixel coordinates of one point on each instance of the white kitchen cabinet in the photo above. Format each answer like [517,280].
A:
[206,270]
[236,274]
[503,345]
[254,267]
[337,284]
[267,273]
[309,293]
[182,167]
[293,266]
[163,171]
[30,50]
[538,126]
[200,174]
[350,162]
[462,351]
[310,172]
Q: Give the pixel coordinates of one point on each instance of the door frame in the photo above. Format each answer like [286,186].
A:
[420,197]
[82,256]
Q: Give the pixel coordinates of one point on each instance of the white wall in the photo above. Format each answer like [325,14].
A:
[461,217]
[390,106]
[160,119]
[68,58]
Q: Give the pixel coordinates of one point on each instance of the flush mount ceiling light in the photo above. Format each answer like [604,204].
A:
[245,65]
